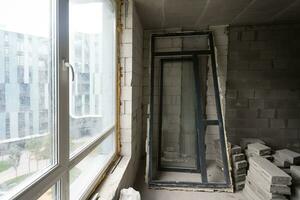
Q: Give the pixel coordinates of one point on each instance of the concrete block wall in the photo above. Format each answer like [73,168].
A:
[263,84]
[131,55]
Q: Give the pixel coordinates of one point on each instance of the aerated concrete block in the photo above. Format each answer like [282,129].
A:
[236,150]
[255,177]
[295,173]
[290,156]
[245,141]
[269,171]
[259,149]
[238,157]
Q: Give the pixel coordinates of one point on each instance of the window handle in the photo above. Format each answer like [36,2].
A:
[69,66]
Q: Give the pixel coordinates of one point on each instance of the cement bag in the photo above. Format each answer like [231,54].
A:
[130,194]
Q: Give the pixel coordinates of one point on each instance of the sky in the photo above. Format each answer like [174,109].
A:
[34,17]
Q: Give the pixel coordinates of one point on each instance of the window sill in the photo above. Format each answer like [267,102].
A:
[108,190]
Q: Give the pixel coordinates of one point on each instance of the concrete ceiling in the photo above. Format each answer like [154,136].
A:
[157,14]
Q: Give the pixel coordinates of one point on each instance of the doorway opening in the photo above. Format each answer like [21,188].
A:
[187,142]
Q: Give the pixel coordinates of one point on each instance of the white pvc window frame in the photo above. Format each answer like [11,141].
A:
[59,173]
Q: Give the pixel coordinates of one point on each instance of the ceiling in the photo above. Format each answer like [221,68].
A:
[157,14]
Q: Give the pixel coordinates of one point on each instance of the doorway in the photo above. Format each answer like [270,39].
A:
[179,152]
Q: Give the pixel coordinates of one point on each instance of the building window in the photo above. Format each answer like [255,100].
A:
[6,51]
[6,39]
[21,124]
[20,73]
[24,97]
[7,126]
[35,132]
[2,98]
[6,69]
[20,60]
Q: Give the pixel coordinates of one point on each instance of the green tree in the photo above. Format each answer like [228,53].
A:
[39,148]
[15,152]
[32,146]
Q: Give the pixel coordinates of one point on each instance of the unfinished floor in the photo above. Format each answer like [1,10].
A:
[156,194]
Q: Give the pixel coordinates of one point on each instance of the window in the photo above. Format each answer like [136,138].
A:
[51,194]
[25,158]
[87,123]
[38,150]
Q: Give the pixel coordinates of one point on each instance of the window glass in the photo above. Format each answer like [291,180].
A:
[84,173]
[51,194]
[92,54]
[26,136]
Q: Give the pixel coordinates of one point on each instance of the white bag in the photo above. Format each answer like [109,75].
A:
[130,194]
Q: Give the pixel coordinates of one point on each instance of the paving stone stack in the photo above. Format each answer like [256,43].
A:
[245,141]
[295,173]
[239,165]
[258,149]
[265,181]
[284,158]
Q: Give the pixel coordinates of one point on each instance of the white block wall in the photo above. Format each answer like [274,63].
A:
[131,55]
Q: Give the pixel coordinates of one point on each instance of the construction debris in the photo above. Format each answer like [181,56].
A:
[265,181]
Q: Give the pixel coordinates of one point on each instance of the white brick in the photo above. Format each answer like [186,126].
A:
[125,121]
[126,93]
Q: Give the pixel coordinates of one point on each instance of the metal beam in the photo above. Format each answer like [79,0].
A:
[199,121]
[183,53]
[182,34]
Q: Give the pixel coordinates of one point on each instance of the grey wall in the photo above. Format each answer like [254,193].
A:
[263,85]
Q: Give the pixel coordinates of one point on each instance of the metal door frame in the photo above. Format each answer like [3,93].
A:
[175,169]
[219,122]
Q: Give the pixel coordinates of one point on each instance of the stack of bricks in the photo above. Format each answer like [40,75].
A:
[295,173]
[265,181]
[239,164]
[245,141]
[284,158]
[258,149]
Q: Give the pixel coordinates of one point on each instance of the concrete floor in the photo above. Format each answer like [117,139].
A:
[154,194]
[214,174]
